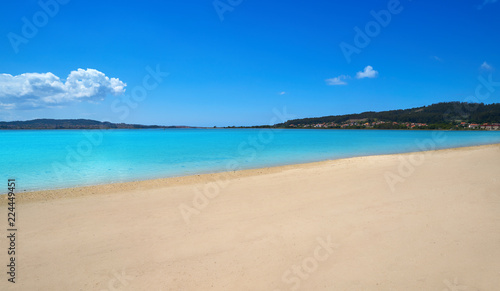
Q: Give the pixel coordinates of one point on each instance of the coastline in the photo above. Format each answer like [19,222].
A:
[149,184]
[334,224]
[77,159]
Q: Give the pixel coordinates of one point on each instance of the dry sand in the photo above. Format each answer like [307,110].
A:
[334,225]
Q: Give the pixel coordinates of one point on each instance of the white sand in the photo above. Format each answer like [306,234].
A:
[268,229]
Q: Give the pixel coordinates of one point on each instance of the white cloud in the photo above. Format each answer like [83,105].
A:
[282,93]
[35,90]
[487,67]
[368,72]
[337,80]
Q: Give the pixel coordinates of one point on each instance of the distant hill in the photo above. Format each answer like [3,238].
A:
[441,115]
[74,124]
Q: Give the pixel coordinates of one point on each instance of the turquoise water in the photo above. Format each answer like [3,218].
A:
[50,159]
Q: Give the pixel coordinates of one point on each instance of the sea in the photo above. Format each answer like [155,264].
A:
[53,159]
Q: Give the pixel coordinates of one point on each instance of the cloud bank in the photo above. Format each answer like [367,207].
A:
[38,90]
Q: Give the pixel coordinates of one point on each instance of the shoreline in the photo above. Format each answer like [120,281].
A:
[413,221]
[257,127]
[149,184]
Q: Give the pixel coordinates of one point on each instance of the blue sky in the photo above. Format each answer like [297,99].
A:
[233,62]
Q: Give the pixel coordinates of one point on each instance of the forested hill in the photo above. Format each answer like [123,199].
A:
[440,115]
[73,124]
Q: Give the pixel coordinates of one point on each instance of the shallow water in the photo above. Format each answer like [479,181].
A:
[50,159]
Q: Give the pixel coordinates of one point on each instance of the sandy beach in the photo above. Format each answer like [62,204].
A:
[417,221]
